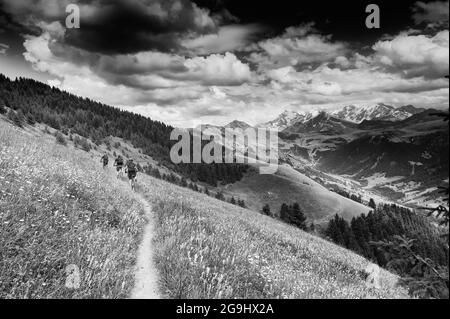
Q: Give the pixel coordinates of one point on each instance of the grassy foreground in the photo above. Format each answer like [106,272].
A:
[67,229]
[206,248]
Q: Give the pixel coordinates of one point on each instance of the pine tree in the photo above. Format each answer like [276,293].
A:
[297,217]
[334,232]
[266,210]
[284,213]
[372,204]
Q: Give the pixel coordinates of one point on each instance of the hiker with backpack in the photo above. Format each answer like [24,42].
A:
[131,170]
[119,163]
[104,160]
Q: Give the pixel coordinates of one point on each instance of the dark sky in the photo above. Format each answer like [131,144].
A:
[344,19]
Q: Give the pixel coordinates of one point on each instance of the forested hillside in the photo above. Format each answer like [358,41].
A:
[37,102]
[393,223]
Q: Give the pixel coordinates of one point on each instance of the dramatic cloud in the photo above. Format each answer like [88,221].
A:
[435,13]
[121,26]
[416,55]
[297,46]
[147,77]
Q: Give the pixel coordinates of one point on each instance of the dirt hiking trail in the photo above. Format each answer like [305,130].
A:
[146,275]
[146,278]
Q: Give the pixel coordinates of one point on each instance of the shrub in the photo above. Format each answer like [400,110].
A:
[266,210]
[15,118]
[85,145]
[2,109]
[65,130]
[60,139]
[82,143]
[30,119]
[220,196]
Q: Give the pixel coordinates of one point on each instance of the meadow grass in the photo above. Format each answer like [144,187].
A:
[206,248]
[59,209]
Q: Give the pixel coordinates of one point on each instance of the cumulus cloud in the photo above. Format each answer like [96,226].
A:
[217,70]
[146,77]
[297,46]
[436,12]
[416,55]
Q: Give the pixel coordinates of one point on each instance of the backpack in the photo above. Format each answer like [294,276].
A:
[131,167]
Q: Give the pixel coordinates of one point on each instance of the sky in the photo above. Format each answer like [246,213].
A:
[187,62]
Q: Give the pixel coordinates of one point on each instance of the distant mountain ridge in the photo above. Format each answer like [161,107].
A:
[381,111]
[349,113]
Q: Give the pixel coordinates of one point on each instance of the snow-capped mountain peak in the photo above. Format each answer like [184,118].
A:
[350,113]
[288,118]
[380,111]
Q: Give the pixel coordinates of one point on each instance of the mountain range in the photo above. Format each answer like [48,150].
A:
[350,113]
[393,154]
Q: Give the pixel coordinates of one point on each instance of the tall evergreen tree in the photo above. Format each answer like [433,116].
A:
[372,204]
[266,210]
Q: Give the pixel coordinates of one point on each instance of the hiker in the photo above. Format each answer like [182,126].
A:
[118,163]
[104,160]
[131,171]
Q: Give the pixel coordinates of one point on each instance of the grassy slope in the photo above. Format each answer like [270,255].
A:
[288,186]
[206,248]
[58,208]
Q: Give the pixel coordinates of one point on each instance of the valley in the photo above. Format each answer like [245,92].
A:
[397,155]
